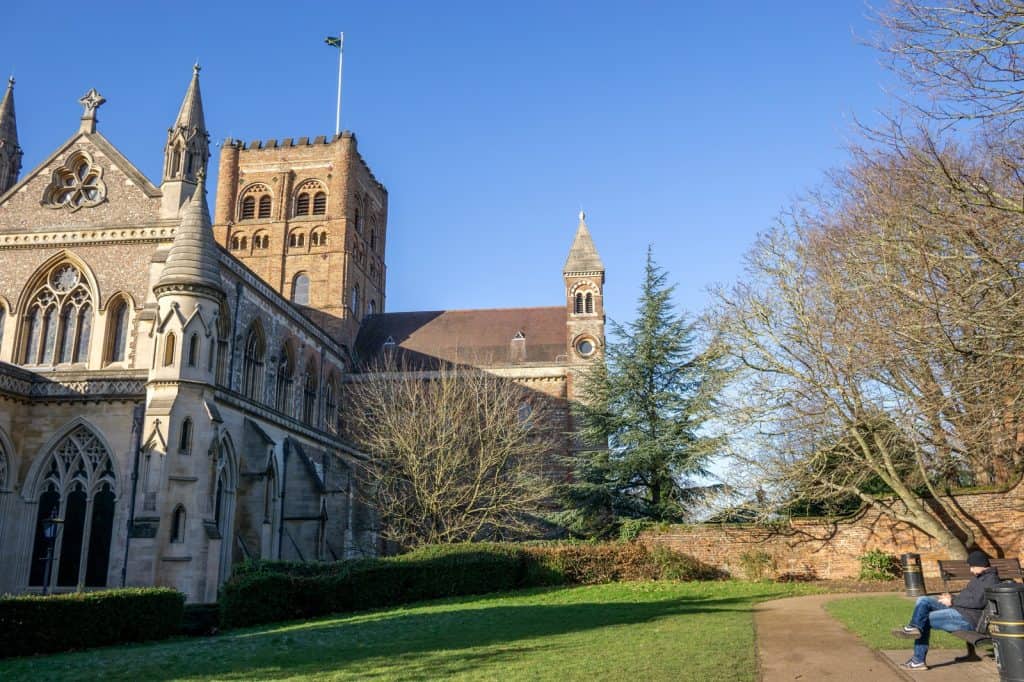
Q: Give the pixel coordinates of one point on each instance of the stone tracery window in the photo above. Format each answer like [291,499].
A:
[78,486]
[58,319]
[285,373]
[78,183]
[252,364]
[3,466]
[309,392]
[300,289]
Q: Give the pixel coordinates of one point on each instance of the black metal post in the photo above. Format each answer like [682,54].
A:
[138,414]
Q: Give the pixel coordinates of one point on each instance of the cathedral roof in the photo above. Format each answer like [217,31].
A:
[193,258]
[583,256]
[8,124]
[475,337]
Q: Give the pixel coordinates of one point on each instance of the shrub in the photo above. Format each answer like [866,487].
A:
[630,529]
[757,564]
[878,565]
[32,624]
[261,592]
[199,620]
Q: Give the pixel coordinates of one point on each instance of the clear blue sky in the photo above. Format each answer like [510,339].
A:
[683,124]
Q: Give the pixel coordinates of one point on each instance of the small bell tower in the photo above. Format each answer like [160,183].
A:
[584,297]
[186,152]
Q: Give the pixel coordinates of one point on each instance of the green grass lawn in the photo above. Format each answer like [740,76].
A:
[872,619]
[637,631]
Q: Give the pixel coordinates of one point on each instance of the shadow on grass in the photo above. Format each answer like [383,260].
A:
[414,643]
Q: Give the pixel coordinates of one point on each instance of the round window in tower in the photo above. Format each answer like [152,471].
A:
[585,347]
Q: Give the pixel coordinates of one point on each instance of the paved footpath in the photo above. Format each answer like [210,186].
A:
[798,640]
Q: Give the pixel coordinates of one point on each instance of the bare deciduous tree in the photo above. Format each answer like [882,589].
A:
[876,337]
[456,454]
[965,56]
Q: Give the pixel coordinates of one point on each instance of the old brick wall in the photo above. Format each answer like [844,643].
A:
[818,547]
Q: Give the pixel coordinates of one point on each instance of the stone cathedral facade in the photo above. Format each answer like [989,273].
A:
[171,382]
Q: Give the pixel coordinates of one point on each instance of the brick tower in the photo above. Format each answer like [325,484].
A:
[311,220]
[584,297]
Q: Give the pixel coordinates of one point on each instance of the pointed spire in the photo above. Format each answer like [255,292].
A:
[190,115]
[188,142]
[583,256]
[10,150]
[193,260]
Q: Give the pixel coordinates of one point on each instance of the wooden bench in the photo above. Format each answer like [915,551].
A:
[951,569]
[957,569]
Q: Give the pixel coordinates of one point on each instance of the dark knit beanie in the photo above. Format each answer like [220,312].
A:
[977,558]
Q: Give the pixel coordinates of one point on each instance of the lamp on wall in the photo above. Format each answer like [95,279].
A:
[51,526]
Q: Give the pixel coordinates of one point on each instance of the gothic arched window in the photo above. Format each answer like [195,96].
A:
[78,486]
[285,372]
[169,347]
[221,347]
[371,307]
[300,289]
[178,525]
[252,364]
[354,302]
[331,414]
[310,194]
[193,350]
[185,437]
[3,317]
[117,332]
[58,321]
[309,392]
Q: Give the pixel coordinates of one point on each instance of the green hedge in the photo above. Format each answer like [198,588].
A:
[32,624]
[262,592]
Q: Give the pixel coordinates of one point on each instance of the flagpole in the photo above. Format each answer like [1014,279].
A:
[341,53]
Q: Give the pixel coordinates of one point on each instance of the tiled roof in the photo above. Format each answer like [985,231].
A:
[470,337]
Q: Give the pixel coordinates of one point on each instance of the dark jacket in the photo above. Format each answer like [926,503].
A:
[970,601]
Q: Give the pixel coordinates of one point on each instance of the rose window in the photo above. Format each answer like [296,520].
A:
[77,184]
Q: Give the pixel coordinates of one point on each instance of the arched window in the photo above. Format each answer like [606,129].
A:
[223,332]
[354,302]
[252,364]
[58,321]
[169,348]
[3,318]
[261,241]
[256,202]
[248,208]
[309,391]
[285,372]
[331,420]
[310,194]
[371,307]
[578,308]
[78,486]
[185,437]
[373,240]
[117,332]
[193,350]
[178,525]
[589,305]
[243,244]
[300,289]
[358,221]
[318,238]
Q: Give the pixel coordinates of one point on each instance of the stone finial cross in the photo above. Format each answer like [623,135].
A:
[91,101]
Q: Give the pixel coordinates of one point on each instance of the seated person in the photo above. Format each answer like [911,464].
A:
[949,613]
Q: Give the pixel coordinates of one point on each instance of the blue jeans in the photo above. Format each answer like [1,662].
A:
[930,613]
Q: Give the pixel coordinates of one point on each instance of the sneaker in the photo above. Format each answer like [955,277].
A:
[914,664]
[907,632]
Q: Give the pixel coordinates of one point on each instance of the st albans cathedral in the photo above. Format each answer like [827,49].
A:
[170,384]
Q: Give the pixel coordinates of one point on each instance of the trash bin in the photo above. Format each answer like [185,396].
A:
[1006,626]
[912,576]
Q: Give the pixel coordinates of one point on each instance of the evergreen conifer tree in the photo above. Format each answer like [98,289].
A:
[647,402]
